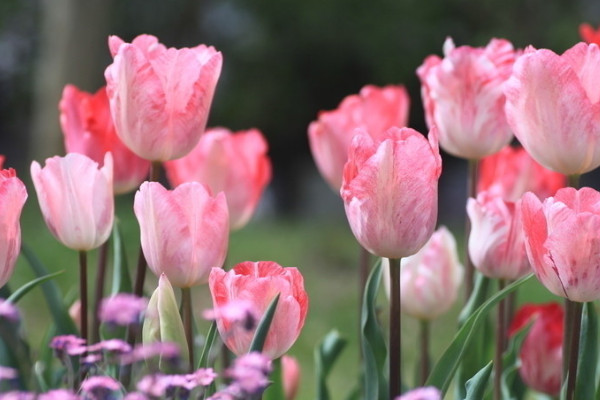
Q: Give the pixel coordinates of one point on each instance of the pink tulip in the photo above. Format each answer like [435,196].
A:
[512,172]
[235,164]
[374,109]
[259,283]
[12,198]
[160,97]
[496,240]
[291,376]
[463,96]
[553,107]
[589,34]
[562,237]
[390,191]
[76,199]
[184,232]
[541,351]
[88,129]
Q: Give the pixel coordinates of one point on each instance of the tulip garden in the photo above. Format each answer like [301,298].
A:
[169,298]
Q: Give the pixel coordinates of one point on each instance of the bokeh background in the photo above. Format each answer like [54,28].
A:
[284,61]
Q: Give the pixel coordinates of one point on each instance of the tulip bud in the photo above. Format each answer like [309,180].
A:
[291,376]
[12,198]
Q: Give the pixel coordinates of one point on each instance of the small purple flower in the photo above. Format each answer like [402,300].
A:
[122,309]
[166,350]
[237,311]
[136,396]
[16,395]
[58,394]
[7,373]
[250,373]
[68,344]
[424,393]
[203,376]
[99,388]
[9,311]
[116,346]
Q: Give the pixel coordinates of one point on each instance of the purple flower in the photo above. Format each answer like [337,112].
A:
[250,374]
[136,396]
[7,373]
[15,395]
[122,309]
[8,311]
[116,346]
[170,385]
[68,344]
[424,393]
[99,387]
[236,311]
[203,376]
[166,350]
[58,394]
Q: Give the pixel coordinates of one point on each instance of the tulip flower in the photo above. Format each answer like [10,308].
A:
[233,163]
[589,34]
[259,283]
[541,351]
[374,109]
[390,191]
[160,97]
[496,241]
[12,198]
[76,199]
[552,105]
[184,232]
[422,393]
[88,129]
[463,97]
[290,370]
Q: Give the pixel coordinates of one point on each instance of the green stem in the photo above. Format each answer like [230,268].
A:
[395,352]
[99,294]
[83,293]
[573,181]
[500,340]
[471,192]
[575,323]
[186,307]
[424,346]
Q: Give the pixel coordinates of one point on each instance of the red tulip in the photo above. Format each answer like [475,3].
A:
[184,232]
[374,109]
[390,191]
[553,107]
[233,163]
[541,351]
[258,283]
[463,97]
[160,97]
[76,198]
[12,198]
[589,34]
[88,129]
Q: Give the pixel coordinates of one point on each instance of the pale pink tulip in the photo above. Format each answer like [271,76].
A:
[233,163]
[512,172]
[374,109]
[259,283]
[88,129]
[562,237]
[184,232]
[160,97]
[290,369]
[76,199]
[463,97]
[496,240]
[390,191]
[553,107]
[12,198]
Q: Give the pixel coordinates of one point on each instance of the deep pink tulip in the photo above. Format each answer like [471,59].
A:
[589,34]
[290,372]
[76,199]
[184,232]
[562,237]
[88,129]
[553,107]
[233,163]
[496,240]
[541,351]
[12,198]
[374,109]
[463,97]
[512,172]
[259,283]
[160,97]
[390,191]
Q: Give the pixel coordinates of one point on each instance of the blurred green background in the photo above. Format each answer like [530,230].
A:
[283,62]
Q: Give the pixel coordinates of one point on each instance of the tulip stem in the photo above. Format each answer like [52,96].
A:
[500,340]
[100,279]
[574,325]
[471,193]
[573,181]
[83,294]
[395,352]
[186,307]
[363,270]
[424,345]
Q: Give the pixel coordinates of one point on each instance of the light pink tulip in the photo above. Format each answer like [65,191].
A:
[259,283]
[290,369]
[88,129]
[184,232]
[562,237]
[160,97]
[463,97]
[390,191]
[233,163]
[76,199]
[496,240]
[12,198]
[374,109]
[553,107]
[512,172]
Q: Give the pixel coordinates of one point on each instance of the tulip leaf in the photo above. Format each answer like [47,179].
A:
[275,390]
[121,281]
[444,370]
[512,386]
[58,310]
[23,290]
[372,341]
[477,298]
[210,339]
[585,387]
[326,353]
[262,329]
[475,387]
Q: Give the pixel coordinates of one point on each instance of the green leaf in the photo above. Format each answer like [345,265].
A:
[511,384]
[121,281]
[275,390]
[326,353]
[210,338]
[477,298]
[373,341]
[262,329]
[23,290]
[478,383]
[585,387]
[444,370]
